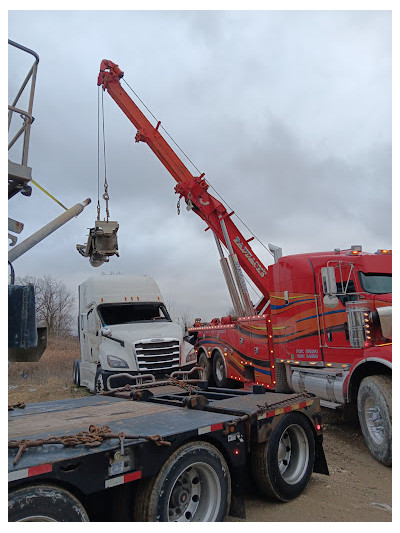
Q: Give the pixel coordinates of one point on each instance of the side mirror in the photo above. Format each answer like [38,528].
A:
[106,331]
[331,301]
[329,287]
[328,280]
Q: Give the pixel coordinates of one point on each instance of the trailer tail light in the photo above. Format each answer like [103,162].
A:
[236,451]
[318,427]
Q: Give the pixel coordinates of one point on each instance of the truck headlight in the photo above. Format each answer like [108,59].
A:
[116,362]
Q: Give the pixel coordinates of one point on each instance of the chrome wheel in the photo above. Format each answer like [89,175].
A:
[374,420]
[195,495]
[293,454]
[220,369]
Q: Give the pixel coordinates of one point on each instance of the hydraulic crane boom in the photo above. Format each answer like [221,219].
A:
[194,189]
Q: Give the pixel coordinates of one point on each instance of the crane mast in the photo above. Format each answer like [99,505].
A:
[194,189]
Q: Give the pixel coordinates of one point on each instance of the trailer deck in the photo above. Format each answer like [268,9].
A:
[138,431]
[162,414]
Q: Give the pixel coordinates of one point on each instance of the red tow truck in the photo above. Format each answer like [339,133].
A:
[323,322]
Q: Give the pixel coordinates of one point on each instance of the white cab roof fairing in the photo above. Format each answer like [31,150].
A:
[118,289]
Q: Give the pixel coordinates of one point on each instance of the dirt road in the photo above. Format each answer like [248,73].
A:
[358,489]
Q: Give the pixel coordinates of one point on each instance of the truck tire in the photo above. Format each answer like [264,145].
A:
[282,465]
[45,503]
[100,382]
[219,371]
[77,373]
[374,403]
[193,485]
[205,363]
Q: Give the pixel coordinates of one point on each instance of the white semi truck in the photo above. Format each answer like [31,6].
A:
[125,330]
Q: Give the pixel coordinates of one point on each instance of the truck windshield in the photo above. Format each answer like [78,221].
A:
[376,283]
[112,314]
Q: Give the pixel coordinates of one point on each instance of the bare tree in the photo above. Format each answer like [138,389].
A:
[185,319]
[182,316]
[54,304]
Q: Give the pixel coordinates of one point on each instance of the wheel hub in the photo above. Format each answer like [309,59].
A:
[374,420]
[195,496]
[185,496]
[293,454]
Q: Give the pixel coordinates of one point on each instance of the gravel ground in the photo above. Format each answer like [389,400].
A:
[358,489]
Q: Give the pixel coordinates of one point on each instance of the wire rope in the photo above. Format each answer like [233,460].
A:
[106,196]
[98,153]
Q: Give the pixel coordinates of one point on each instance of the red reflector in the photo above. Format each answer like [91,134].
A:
[42,469]
[236,452]
[318,426]
[132,476]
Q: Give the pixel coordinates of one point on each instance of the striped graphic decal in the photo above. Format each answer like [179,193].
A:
[281,410]
[297,320]
[213,341]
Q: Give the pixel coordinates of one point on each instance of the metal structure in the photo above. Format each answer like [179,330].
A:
[27,342]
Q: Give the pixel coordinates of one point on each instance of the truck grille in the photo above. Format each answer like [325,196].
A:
[157,355]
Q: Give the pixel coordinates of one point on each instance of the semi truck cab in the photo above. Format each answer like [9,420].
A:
[125,328]
[332,329]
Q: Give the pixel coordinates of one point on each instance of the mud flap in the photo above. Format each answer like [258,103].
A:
[320,464]
[237,508]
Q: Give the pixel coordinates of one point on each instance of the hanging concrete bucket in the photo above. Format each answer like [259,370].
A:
[102,243]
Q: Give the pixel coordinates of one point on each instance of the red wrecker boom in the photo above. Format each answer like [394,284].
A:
[194,189]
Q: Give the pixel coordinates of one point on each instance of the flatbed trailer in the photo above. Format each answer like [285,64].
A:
[160,453]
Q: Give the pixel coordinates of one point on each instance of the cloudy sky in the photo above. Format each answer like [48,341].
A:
[288,113]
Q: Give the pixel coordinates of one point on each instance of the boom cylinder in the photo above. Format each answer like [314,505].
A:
[237,305]
[238,274]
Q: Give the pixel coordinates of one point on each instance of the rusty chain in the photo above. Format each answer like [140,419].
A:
[91,438]
[19,405]
[191,389]
[268,407]
[171,381]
